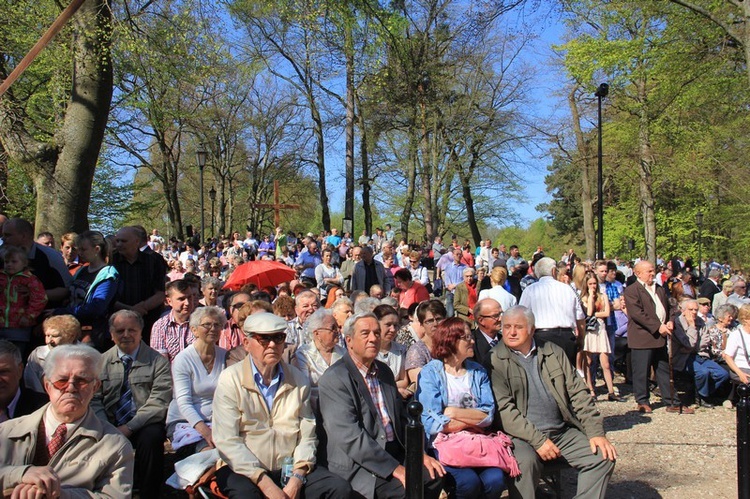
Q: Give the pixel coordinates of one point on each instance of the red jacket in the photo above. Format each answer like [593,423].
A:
[22,300]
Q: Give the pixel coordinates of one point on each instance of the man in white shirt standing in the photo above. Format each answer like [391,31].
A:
[559,315]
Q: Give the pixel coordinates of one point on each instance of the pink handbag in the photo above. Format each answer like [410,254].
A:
[465,449]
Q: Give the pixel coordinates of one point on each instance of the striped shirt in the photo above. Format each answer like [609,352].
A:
[370,376]
[170,337]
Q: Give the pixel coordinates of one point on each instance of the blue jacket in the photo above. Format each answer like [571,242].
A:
[432,393]
[95,308]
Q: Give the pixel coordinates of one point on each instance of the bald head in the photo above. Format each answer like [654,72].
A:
[644,270]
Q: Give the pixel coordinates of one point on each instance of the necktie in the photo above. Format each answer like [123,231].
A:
[57,441]
[124,410]
[493,342]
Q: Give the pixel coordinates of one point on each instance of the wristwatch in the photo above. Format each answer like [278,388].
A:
[301,478]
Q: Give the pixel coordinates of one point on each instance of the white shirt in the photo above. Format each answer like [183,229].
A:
[553,303]
[736,349]
[661,313]
[498,293]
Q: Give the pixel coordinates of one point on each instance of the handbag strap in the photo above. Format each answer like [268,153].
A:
[744,346]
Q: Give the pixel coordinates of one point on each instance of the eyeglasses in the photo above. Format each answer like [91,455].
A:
[265,339]
[494,317]
[467,337]
[78,383]
[434,320]
[210,325]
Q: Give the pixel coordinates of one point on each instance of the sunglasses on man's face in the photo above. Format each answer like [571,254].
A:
[78,383]
[265,339]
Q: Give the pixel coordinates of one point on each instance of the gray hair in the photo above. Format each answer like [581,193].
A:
[340,303]
[389,300]
[544,267]
[306,292]
[210,281]
[126,314]
[715,273]
[727,309]
[365,305]
[686,302]
[199,313]
[520,310]
[352,321]
[318,319]
[10,350]
[92,358]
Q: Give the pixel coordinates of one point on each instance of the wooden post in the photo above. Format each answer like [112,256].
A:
[43,41]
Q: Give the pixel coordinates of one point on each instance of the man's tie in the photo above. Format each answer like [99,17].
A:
[57,441]
[125,407]
[493,342]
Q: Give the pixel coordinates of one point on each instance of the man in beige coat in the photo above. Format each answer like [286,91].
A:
[262,416]
[63,450]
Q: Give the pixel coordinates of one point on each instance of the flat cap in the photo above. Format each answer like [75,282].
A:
[264,323]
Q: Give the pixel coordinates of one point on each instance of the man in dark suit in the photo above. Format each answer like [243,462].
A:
[711,285]
[365,419]
[15,401]
[649,326]
[488,315]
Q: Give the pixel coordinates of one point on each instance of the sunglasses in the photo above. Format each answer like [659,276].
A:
[238,306]
[265,339]
[78,383]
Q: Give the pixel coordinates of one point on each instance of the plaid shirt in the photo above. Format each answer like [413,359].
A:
[614,291]
[169,337]
[373,385]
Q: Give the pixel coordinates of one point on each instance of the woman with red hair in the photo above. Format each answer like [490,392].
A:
[456,395]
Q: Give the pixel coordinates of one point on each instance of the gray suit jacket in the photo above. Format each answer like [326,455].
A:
[356,436]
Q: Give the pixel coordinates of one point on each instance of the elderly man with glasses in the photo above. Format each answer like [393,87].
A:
[134,396]
[63,449]
[263,423]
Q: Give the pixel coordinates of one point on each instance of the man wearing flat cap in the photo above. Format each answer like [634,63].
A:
[262,416]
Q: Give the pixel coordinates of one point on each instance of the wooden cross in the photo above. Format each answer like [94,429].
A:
[277,207]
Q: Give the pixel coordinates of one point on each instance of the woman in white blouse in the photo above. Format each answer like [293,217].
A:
[195,374]
[314,358]
[736,351]
[326,274]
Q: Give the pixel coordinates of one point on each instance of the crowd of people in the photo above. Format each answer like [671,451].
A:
[113,345]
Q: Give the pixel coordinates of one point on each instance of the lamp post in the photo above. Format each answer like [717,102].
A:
[699,223]
[200,156]
[212,197]
[600,93]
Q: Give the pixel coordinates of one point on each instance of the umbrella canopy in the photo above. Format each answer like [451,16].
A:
[262,273]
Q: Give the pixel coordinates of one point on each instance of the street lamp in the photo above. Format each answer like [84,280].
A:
[699,223]
[200,156]
[212,196]
[600,93]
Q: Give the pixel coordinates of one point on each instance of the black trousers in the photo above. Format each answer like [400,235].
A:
[148,443]
[321,483]
[642,361]
[562,337]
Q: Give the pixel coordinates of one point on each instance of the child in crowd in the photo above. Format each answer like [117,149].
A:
[22,300]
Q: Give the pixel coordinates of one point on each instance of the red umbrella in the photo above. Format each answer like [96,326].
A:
[262,273]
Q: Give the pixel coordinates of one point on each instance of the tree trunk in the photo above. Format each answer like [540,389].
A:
[411,180]
[349,53]
[646,162]
[64,166]
[320,162]
[584,153]
[429,226]
[469,203]
[365,160]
